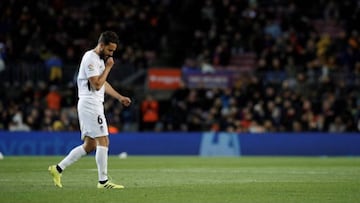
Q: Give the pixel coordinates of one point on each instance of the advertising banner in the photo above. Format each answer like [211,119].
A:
[219,79]
[163,78]
[207,144]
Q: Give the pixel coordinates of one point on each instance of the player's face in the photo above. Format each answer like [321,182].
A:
[108,50]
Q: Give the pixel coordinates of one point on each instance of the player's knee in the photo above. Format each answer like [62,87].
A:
[102,141]
[89,147]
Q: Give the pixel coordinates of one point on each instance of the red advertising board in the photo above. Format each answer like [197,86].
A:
[164,78]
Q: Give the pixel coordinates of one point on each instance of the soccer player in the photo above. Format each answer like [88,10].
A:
[94,69]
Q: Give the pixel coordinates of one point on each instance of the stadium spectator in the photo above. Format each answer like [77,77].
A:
[54,67]
[150,113]
[53,99]
[17,122]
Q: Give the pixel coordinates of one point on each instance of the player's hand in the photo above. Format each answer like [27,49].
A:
[126,101]
[109,61]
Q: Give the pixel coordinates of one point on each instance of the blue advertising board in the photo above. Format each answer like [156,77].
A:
[181,143]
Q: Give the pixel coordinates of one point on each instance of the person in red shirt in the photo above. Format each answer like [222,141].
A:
[150,113]
[53,99]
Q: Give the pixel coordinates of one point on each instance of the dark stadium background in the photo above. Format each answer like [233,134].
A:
[297,63]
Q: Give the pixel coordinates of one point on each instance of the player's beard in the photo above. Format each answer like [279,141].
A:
[102,55]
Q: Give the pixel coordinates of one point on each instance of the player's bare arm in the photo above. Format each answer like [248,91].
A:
[98,81]
[126,101]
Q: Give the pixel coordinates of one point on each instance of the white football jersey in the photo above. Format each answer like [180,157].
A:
[91,65]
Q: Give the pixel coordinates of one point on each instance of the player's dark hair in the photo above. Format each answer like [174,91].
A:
[108,37]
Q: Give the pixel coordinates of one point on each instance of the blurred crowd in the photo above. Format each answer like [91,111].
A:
[306,75]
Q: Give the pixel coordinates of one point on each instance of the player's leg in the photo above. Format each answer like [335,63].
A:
[74,155]
[101,157]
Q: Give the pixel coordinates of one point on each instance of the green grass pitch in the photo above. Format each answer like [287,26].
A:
[175,179]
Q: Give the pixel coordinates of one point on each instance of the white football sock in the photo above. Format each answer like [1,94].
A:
[72,157]
[101,158]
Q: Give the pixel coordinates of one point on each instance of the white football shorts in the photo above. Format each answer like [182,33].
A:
[92,118]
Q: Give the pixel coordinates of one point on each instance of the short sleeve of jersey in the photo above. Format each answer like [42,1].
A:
[91,67]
